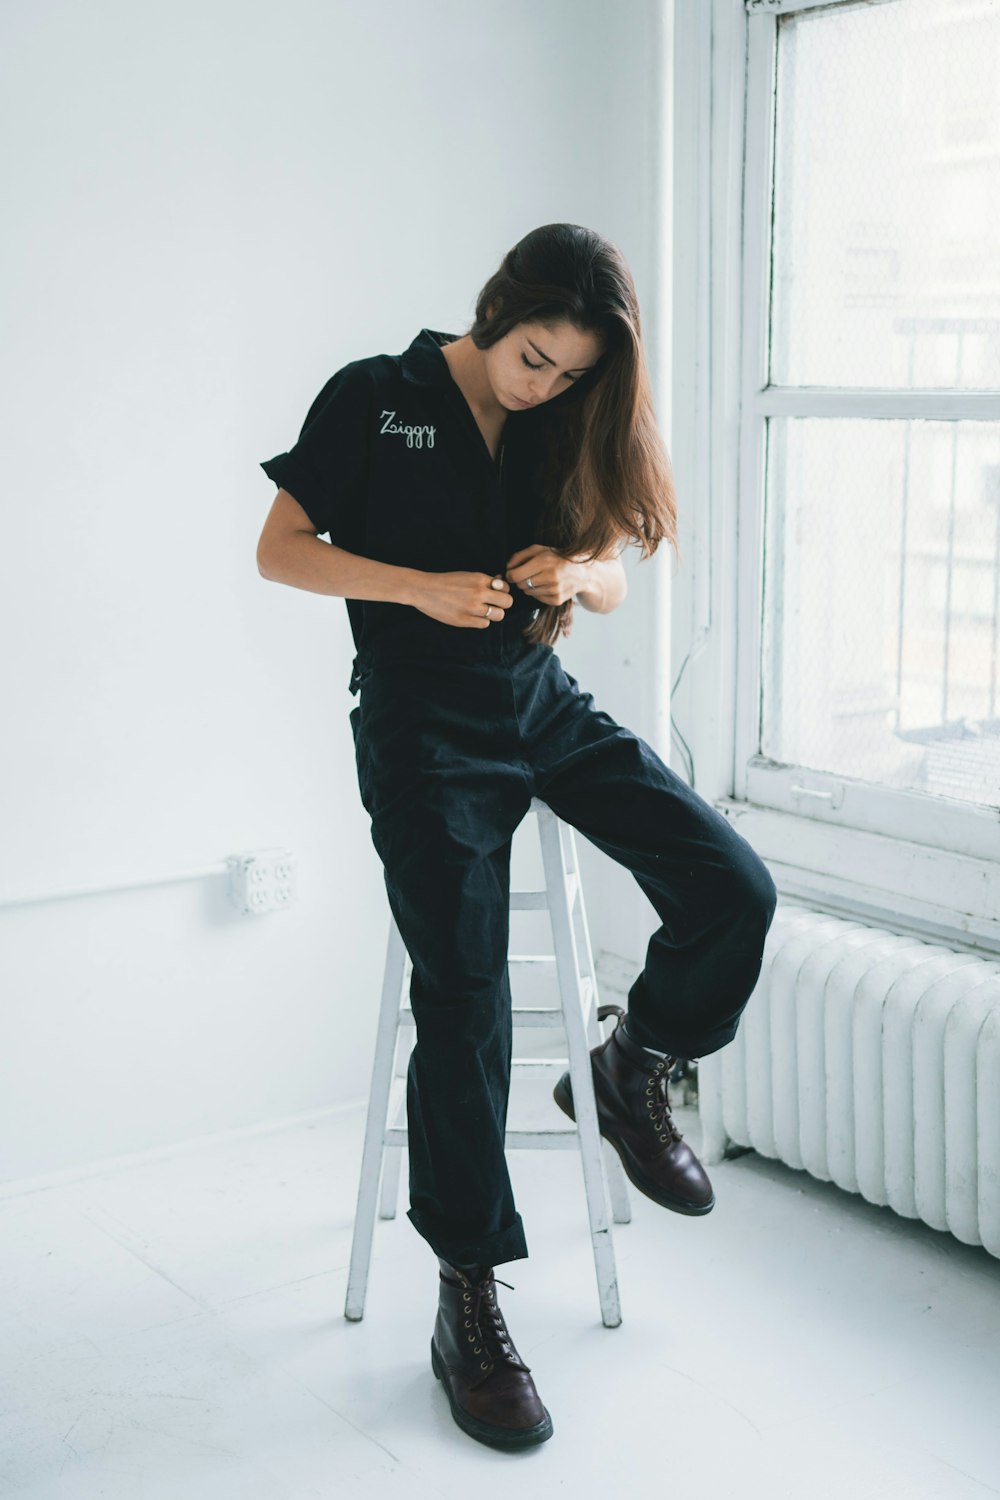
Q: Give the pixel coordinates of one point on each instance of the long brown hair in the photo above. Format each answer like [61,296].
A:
[607,477]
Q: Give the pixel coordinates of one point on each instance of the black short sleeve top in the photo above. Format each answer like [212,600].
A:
[392,465]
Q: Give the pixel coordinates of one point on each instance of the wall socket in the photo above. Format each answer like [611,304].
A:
[262,881]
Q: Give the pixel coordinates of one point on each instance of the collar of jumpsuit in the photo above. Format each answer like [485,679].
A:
[392,465]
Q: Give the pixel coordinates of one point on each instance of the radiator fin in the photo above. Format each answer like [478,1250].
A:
[871,1060]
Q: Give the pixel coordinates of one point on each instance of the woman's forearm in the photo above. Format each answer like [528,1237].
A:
[606,585]
[303,561]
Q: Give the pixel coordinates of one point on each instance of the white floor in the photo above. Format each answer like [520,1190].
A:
[175,1330]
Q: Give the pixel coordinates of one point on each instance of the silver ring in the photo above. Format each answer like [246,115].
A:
[488,615]
[530,584]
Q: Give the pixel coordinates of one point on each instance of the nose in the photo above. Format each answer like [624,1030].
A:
[537,395]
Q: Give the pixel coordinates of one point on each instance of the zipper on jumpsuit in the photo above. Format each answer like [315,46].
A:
[496,466]
[359,666]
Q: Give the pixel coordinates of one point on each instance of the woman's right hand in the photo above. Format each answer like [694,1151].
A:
[462,599]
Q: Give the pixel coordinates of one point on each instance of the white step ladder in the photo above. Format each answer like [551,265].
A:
[576,1013]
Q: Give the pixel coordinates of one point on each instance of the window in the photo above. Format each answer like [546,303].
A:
[868,683]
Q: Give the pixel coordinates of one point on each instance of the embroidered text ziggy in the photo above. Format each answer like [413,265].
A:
[414,435]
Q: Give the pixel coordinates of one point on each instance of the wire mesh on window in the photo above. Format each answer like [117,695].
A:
[886,254]
[881,655]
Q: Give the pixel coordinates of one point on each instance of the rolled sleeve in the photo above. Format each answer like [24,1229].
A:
[327,469]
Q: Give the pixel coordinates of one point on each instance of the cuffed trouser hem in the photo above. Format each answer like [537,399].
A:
[483,1250]
[686,1049]
[688,1044]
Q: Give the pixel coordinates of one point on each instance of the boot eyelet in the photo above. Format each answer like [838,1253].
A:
[477,1350]
[484,1365]
[472,1338]
[468,1322]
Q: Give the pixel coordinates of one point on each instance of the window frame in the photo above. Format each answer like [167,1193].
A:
[930,864]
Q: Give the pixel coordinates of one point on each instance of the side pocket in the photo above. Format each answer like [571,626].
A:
[360,757]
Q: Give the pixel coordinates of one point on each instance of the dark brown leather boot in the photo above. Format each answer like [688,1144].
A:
[489,1387]
[633,1113]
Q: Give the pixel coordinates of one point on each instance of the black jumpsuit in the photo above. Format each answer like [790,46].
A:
[455,731]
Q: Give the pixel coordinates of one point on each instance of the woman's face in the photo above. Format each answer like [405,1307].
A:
[535,362]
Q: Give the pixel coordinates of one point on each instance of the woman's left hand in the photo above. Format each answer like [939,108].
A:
[554,578]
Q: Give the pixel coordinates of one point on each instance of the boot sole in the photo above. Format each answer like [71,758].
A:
[563,1095]
[484,1432]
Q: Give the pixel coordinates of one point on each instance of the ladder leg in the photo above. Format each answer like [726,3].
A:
[391,1163]
[581,1078]
[392,1156]
[378,1106]
[621,1207]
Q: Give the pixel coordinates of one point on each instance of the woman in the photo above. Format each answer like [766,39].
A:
[474,488]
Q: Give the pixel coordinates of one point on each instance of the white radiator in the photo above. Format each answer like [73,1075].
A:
[869,1060]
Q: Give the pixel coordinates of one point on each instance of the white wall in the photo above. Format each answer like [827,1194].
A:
[706,157]
[209,208]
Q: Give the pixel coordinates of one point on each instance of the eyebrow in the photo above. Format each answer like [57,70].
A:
[582,368]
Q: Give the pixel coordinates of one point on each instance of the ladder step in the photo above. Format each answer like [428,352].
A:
[549,1016]
[556,1137]
[536,1140]
[528,1015]
[529,900]
[539,900]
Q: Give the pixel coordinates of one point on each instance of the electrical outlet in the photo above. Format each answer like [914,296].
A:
[262,881]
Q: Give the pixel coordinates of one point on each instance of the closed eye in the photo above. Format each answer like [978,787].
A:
[530,366]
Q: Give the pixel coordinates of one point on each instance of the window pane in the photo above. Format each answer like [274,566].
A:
[886,255]
[881,656]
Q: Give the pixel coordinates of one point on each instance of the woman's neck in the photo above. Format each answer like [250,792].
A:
[468,370]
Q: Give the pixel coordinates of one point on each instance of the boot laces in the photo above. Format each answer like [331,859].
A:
[659,1103]
[486,1312]
[485,1315]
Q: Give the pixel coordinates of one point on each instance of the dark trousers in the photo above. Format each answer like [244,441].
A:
[449,755]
